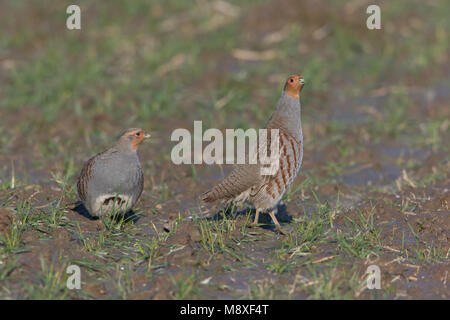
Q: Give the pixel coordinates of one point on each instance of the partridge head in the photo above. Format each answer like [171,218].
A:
[294,85]
[131,139]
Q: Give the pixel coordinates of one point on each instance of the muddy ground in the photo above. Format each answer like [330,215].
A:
[374,184]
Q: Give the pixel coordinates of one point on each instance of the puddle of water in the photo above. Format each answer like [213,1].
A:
[401,151]
[348,110]
[369,176]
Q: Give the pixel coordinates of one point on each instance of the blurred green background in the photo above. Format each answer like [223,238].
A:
[149,63]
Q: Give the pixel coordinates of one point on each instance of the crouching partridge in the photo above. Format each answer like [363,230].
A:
[112,181]
[246,183]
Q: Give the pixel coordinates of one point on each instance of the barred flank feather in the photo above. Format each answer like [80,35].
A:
[83,179]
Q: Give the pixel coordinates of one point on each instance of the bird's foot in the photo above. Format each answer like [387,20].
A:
[253,225]
[281,230]
[286,230]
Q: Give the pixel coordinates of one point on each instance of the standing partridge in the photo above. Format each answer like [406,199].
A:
[112,181]
[246,183]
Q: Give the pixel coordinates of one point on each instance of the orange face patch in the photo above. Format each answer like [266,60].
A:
[138,136]
[294,85]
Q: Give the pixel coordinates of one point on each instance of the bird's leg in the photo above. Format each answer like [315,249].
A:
[277,224]
[255,222]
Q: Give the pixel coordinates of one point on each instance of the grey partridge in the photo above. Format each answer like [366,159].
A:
[112,181]
[246,183]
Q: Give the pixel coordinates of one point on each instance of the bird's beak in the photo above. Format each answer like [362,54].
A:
[302,81]
[147,136]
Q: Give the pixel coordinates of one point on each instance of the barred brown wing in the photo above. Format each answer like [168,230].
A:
[83,179]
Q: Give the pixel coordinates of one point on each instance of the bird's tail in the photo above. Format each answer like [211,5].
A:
[237,182]
[209,196]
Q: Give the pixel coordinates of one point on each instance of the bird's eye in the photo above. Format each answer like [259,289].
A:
[292,80]
[138,134]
